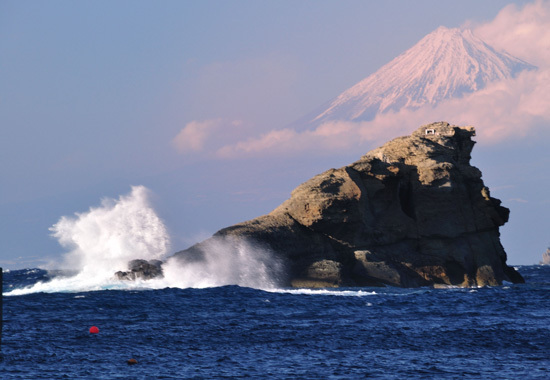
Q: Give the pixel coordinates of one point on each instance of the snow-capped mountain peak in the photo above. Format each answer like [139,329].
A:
[446,63]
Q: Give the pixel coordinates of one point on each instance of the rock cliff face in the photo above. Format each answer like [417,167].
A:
[141,269]
[413,212]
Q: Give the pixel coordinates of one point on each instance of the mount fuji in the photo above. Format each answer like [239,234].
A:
[446,63]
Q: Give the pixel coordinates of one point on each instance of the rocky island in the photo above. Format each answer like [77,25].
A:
[411,213]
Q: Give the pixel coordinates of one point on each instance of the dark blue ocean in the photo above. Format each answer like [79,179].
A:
[238,332]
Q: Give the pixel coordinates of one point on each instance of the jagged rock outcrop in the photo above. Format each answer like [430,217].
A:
[413,212]
[141,269]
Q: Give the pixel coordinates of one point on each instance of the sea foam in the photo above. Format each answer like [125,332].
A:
[225,261]
[325,292]
[102,240]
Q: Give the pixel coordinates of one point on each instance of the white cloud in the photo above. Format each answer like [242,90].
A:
[327,138]
[194,135]
[519,200]
[511,109]
[204,135]
[273,140]
[523,32]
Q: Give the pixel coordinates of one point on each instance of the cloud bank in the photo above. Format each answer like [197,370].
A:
[207,135]
[523,32]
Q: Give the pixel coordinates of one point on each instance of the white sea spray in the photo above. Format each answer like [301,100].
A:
[325,292]
[225,261]
[102,240]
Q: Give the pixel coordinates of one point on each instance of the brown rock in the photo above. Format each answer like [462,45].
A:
[141,269]
[413,212]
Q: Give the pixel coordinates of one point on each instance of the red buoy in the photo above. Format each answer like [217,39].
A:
[94,330]
[131,361]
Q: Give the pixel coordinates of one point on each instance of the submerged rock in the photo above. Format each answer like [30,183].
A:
[413,212]
[141,269]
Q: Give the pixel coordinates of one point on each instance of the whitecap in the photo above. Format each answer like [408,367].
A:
[101,241]
[324,292]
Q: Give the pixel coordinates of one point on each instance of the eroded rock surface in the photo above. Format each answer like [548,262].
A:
[413,212]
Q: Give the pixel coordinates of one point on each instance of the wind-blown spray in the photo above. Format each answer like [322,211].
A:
[103,240]
[225,261]
[107,237]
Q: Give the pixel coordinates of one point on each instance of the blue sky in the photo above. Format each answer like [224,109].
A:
[93,94]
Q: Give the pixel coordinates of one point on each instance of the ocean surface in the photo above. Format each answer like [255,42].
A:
[241,332]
